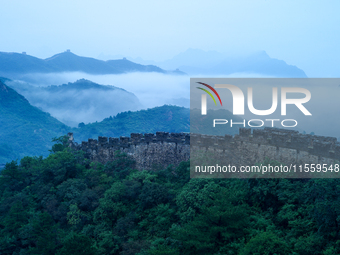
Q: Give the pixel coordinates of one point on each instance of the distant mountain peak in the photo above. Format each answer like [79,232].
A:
[83,80]
[262,53]
[200,62]
[67,54]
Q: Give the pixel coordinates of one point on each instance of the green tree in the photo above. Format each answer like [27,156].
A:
[265,243]
[220,217]
[77,244]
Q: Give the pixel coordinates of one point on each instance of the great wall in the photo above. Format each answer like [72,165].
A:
[148,150]
[247,148]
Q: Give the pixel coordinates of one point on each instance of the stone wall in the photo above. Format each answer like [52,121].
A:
[148,150]
[286,146]
[246,148]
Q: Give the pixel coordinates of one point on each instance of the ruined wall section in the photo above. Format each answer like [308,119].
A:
[148,150]
[246,148]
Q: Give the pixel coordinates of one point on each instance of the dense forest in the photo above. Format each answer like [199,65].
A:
[64,204]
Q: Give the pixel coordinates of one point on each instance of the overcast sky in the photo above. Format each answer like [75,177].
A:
[302,33]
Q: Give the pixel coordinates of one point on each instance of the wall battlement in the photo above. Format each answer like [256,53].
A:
[148,150]
[248,147]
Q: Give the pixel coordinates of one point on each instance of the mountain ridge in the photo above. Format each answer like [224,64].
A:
[12,63]
[200,62]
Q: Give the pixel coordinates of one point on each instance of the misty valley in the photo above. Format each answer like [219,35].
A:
[80,102]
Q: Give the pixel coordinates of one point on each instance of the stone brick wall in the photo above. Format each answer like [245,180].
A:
[248,147]
[148,150]
[286,146]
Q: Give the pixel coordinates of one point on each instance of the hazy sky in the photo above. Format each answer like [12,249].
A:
[304,33]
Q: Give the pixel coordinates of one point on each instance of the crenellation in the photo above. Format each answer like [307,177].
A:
[136,138]
[149,137]
[113,142]
[103,141]
[92,143]
[187,139]
[176,137]
[162,136]
[124,141]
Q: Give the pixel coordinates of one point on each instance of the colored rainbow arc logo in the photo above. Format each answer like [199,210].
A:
[213,90]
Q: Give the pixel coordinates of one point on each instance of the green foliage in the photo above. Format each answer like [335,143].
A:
[64,205]
[60,143]
[265,243]
[77,244]
[215,216]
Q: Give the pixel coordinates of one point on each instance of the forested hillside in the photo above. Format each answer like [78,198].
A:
[28,131]
[24,129]
[66,205]
[166,118]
